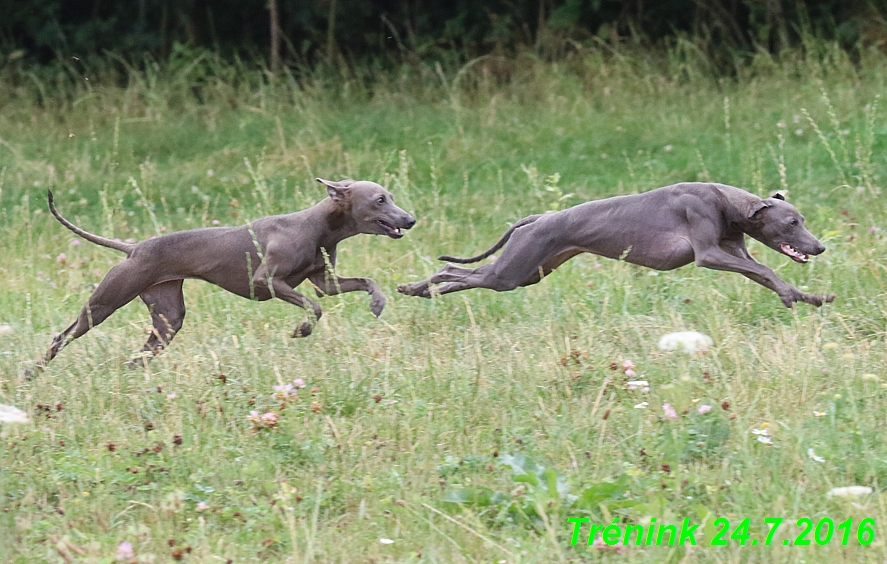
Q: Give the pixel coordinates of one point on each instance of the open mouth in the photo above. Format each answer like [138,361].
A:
[793,253]
[390,230]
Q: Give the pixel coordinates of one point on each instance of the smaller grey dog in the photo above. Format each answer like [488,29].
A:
[661,229]
[261,260]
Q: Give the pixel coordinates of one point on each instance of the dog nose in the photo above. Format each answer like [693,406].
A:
[820,249]
[411,221]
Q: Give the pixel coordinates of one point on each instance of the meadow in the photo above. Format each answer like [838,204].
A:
[468,428]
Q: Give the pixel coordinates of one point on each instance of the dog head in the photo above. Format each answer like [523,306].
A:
[371,206]
[780,226]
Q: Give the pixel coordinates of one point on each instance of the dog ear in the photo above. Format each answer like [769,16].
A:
[778,196]
[756,207]
[338,191]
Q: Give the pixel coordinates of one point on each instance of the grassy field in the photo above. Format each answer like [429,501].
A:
[467,428]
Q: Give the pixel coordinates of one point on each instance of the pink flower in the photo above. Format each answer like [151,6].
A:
[299,383]
[601,545]
[284,388]
[74,242]
[61,258]
[670,413]
[874,229]
[270,419]
[267,420]
[703,409]
[125,551]
[629,372]
[627,364]
[202,506]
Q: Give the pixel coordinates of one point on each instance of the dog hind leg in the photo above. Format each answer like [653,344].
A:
[115,291]
[167,306]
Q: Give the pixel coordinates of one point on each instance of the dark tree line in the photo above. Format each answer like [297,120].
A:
[307,32]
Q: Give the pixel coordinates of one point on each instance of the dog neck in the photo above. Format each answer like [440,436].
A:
[337,221]
[741,203]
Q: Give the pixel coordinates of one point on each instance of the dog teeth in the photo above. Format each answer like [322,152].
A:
[794,253]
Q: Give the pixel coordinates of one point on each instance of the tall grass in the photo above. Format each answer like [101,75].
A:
[404,413]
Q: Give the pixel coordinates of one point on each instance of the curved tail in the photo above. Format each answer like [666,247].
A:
[116,245]
[501,243]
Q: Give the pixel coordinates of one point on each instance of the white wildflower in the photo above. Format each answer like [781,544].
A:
[386,541]
[813,456]
[642,405]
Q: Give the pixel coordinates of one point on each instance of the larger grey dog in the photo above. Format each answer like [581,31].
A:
[262,260]
[662,229]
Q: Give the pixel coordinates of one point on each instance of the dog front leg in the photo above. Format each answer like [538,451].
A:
[279,289]
[331,285]
[718,259]
[705,238]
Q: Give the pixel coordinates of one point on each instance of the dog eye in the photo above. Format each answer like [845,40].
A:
[381,199]
[794,222]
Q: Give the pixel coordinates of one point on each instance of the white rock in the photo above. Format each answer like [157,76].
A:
[686,341]
[12,415]
[849,491]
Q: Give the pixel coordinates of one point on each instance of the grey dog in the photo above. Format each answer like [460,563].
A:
[661,229]
[264,259]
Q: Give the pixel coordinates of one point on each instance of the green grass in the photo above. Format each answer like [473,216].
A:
[423,405]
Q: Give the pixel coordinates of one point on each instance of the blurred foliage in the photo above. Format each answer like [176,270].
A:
[388,31]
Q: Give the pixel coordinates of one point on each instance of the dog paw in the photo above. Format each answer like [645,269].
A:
[819,300]
[377,304]
[814,300]
[303,331]
[418,289]
[317,311]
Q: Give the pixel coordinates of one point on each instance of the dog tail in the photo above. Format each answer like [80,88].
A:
[501,243]
[116,245]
